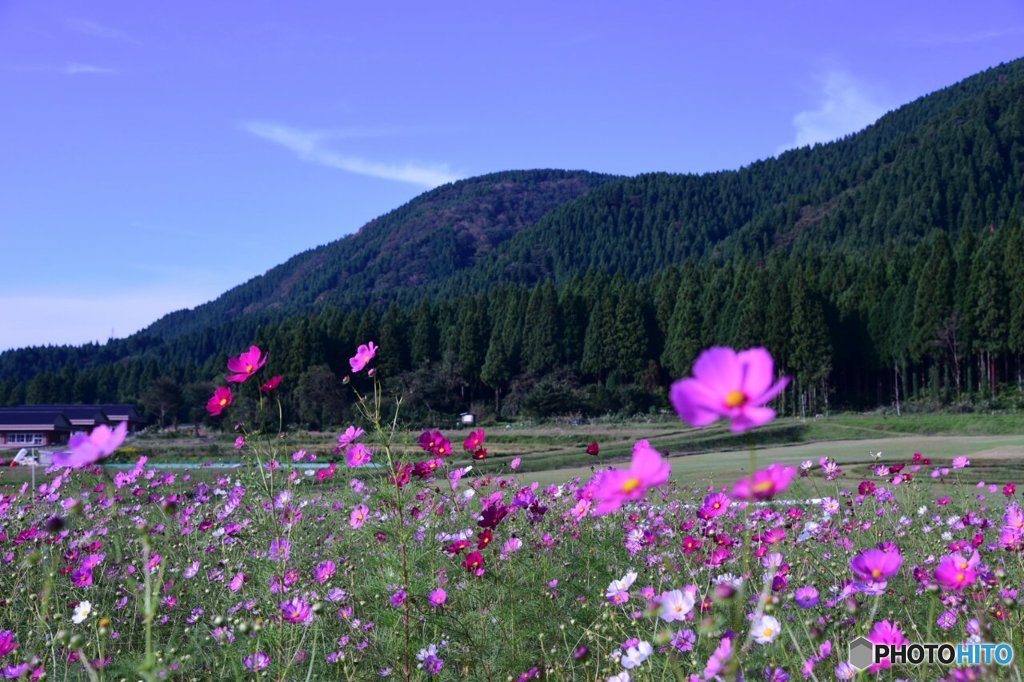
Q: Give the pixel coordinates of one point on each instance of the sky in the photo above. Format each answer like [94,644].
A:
[154,155]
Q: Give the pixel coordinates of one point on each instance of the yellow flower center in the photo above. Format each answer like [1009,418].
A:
[223,402]
[248,368]
[960,577]
[735,398]
[630,484]
[763,486]
[768,632]
[876,573]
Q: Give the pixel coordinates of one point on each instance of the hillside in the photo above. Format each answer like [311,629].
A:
[427,240]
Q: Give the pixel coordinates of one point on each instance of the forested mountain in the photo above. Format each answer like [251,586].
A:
[886,264]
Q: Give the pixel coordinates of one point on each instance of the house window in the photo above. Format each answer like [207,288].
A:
[25,438]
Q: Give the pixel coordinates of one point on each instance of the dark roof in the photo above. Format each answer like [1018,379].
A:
[12,419]
[75,413]
[111,410]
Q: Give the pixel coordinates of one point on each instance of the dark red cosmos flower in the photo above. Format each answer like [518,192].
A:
[457,546]
[593,449]
[474,563]
[866,488]
[484,538]
[493,516]
[402,475]
[270,384]
[480,454]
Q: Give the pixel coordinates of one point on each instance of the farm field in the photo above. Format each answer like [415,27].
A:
[387,553]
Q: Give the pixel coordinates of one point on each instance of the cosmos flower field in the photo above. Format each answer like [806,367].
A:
[398,566]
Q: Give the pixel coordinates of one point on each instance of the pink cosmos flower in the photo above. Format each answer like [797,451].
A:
[280,550]
[221,399]
[721,656]
[246,364]
[961,462]
[514,464]
[714,505]
[358,516]
[437,597]
[295,610]
[954,572]
[885,632]
[350,436]
[324,571]
[8,642]
[875,565]
[615,487]
[364,354]
[475,440]
[236,583]
[257,662]
[87,450]
[270,384]
[358,455]
[731,385]
[765,483]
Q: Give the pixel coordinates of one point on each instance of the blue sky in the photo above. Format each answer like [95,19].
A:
[157,154]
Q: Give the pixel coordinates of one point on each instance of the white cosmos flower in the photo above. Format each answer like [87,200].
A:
[621,585]
[636,655]
[675,605]
[766,629]
[82,612]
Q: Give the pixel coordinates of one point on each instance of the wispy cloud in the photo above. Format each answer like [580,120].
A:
[311,147]
[844,108]
[97,30]
[78,69]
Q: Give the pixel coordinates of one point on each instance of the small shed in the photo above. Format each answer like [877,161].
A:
[467,419]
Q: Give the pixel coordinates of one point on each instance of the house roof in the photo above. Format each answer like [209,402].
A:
[16,419]
[78,415]
[113,411]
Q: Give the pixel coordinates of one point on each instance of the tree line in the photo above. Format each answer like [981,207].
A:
[940,323]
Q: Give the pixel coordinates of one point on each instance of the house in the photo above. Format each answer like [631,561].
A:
[33,428]
[114,414]
[83,418]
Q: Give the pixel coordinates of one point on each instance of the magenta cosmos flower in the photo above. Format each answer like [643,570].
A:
[257,662]
[246,364]
[875,565]
[86,450]
[731,385]
[222,397]
[358,455]
[765,483]
[955,572]
[615,487]
[364,354]
[295,610]
[885,632]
